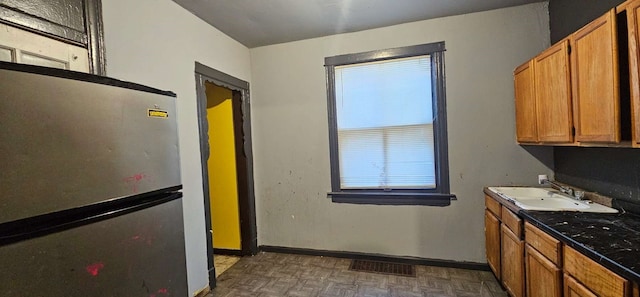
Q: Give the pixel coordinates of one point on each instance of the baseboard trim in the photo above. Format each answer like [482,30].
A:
[203,292]
[227,252]
[376,257]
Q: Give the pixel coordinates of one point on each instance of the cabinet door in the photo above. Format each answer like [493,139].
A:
[553,94]
[492,239]
[512,263]
[596,85]
[73,22]
[600,280]
[20,46]
[572,288]
[524,85]
[543,277]
[633,21]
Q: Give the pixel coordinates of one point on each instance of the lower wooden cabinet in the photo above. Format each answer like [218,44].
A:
[540,265]
[598,279]
[512,263]
[573,288]
[543,277]
[504,246]
[492,239]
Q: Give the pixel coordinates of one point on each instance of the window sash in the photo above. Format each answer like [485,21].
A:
[387,158]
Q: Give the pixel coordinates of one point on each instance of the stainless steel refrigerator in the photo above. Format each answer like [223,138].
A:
[90,200]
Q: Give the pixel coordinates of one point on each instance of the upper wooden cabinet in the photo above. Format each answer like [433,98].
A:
[524,85]
[586,87]
[595,81]
[553,94]
[632,9]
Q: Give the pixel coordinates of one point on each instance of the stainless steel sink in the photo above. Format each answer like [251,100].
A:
[545,199]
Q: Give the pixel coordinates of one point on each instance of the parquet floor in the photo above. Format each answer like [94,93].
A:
[224,262]
[283,275]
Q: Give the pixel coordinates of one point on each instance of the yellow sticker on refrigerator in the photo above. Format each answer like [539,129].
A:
[157,113]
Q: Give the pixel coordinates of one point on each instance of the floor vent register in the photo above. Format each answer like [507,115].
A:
[383,267]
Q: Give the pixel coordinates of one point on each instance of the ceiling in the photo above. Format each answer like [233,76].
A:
[264,22]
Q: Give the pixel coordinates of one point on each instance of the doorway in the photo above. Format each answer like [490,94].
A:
[222,169]
[224,120]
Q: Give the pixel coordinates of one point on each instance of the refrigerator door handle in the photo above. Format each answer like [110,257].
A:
[39,226]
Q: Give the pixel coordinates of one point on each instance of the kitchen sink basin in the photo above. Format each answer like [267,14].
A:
[546,199]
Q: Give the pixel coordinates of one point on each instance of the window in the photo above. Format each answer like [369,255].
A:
[387,126]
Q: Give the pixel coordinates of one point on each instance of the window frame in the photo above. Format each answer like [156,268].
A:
[440,196]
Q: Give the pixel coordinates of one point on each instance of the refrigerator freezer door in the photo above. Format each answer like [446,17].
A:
[137,254]
[66,143]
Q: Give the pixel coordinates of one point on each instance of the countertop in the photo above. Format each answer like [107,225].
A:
[612,240]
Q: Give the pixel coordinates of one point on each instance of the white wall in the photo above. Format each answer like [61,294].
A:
[291,147]
[156,42]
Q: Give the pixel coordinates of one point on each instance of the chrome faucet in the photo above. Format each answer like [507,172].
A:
[578,195]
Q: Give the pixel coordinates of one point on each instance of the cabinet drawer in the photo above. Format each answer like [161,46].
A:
[572,288]
[594,276]
[512,221]
[543,243]
[492,205]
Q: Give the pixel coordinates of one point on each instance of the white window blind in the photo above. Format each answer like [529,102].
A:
[385,124]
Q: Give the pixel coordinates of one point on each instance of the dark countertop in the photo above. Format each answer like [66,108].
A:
[612,240]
